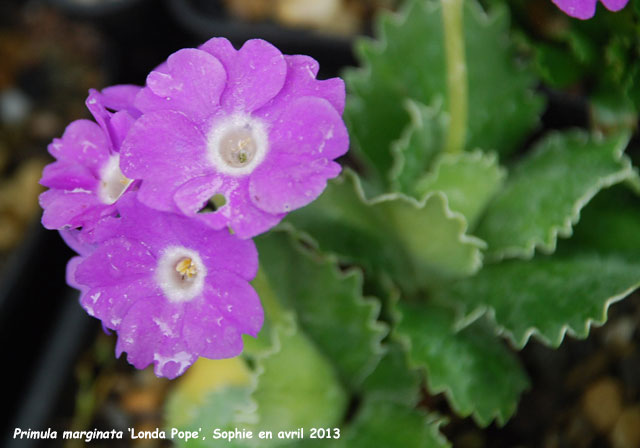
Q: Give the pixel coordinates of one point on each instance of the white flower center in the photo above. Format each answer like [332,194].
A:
[112,182]
[180,273]
[237,145]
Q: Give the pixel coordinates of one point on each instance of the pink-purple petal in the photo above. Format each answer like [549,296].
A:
[151,332]
[193,195]
[121,98]
[310,129]
[114,125]
[111,303]
[147,101]
[239,213]
[221,48]
[119,260]
[304,141]
[255,73]
[158,230]
[580,9]
[120,124]
[83,142]
[237,301]
[70,274]
[140,223]
[614,5]
[192,84]
[165,149]
[586,9]
[79,241]
[301,81]
[292,185]
[208,333]
[98,110]
[64,209]
[66,175]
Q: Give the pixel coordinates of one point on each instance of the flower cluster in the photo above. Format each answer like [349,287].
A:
[161,195]
[585,9]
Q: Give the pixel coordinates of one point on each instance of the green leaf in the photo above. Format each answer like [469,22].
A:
[545,192]
[329,304]
[434,235]
[375,112]
[469,180]
[387,424]
[584,48]
[555,68]
[221,408]
[296,386]
[477,373]
[342,222]
[422,140]
[612,111]
[497,86]
[414,41]
[393,234]
[548,296]
[393,379]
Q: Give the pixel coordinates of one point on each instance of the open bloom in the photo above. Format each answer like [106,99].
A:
[85,181]
[171,287]
[250,133]
[585,9]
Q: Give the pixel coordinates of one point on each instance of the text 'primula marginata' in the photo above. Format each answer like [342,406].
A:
[162,194]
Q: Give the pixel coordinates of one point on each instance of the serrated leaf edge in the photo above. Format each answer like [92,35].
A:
[633,183]
[379,43]
[532,331]
[457,218]
[372,303]
[435,422]
[435,389]
[565,229]
[251,415]
[488,160]
[417,122]
[379,328]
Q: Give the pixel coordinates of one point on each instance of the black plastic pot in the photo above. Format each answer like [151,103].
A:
[42,328]
[97,9]
[206,18]
[48,399]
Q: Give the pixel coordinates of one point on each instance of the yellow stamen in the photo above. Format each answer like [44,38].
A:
[186,268]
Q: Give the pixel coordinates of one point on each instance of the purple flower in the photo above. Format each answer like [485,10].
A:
[80,240]
[85,181]
[585,9]
[171,287]
[251,127]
